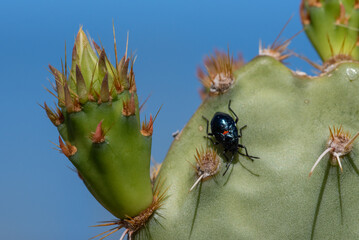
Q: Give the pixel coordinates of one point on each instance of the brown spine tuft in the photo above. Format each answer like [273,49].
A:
[147,128]
[342,19]
[55,116]
[66,148]
[59,84]
[339,144]
[129,107]
[68,100]
[131,78]
[134,224]
[304,16]
[218,77]
[71,104]
[314,3]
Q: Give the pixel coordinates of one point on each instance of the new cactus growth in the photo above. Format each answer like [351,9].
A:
[287,114]
[333,28]
[98,106]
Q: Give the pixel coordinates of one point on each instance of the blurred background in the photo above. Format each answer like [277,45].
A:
[40,197]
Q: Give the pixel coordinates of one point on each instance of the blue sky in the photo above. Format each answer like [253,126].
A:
[40,197]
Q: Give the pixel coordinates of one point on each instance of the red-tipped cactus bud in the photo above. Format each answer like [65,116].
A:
[99,135]
[81,86]
[105,91]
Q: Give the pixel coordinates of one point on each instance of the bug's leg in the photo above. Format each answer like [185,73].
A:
[240,130]
[228,164]
[210,134]
[247,155]
[230,109]
[225,156]
[212,141]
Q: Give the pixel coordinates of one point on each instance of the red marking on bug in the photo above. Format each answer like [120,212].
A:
[225,132]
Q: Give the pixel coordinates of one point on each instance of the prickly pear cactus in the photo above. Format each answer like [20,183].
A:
[288,118]
[303,129]
[332,26]
[97,118]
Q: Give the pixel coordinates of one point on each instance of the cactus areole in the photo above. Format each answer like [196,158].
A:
[288,114]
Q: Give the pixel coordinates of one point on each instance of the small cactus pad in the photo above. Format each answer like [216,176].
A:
[98,119]
[333,28]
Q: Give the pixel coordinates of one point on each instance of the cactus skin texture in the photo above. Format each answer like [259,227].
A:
[288,118]
[98,119]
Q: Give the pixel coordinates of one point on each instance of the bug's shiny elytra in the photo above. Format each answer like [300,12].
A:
[225,131]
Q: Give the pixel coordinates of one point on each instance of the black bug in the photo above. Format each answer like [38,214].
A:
[225,131]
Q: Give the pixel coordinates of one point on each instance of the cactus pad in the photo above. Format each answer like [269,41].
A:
[288,118]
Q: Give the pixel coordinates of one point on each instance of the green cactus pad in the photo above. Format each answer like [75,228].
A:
[114,171]
[288,118]
[98,118]
[332,26]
